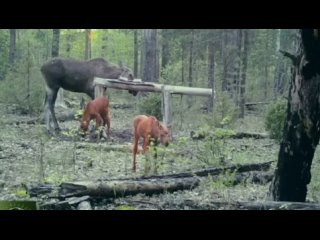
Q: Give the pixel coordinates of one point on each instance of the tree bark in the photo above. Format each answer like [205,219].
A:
[224,61]
[302,126]
[211,84]
[190,58]
[12,49]
[237,66]
[165,48]
[149,62]
[135,46]
[266,64]
[87,55]
[121,188]
[257,205]
[244,60]
[238,135]
[55,42]
[55,53]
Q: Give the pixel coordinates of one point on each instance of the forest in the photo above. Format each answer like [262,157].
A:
[250,142]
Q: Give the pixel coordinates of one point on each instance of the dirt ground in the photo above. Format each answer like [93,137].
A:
[24,146]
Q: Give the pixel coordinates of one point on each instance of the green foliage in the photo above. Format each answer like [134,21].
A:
[72,132]
[56,178]
[124,207]
[224,133]
[212,151]
[21,192]
[14,89]
[275,119]
[225,112]
[222,181]
[151,105]
[79,113]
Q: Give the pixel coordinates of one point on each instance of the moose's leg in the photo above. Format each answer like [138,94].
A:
[98,123]
[107,121]
[135,149]
[146,142]
[50,99]
[55,122]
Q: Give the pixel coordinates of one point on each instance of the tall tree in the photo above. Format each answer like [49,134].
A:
[149,62]
[12,49]
[224,38]
[55,42]
[211,69]
[266,65]
[55,53]
[136,53]
[244,60]
[191,57]
[87,54]
[165,48]
[279,67]
[302,126]
[237,67]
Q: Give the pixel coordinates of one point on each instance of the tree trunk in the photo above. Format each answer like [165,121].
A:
[88,45]
[301,131]
[55,42]
[237,67]
[55,53]
[165,48]
[12,49]
[182,61]
[28,78]
[155,42]
[211,84]
[224,59]
[280,68]
[190,58]
[266,84]
[149,68]
[68,43]
[135,46]
[244,61]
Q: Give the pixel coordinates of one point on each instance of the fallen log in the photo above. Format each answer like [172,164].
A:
[238,135]
[61,117]
[267,205]
[67,204]
[152,184]
[252,105]
[216,171]
[256,177]
[107,148]
[121,106]
[121,188]
[237,205]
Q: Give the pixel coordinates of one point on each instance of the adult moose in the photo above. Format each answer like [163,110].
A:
[76,76]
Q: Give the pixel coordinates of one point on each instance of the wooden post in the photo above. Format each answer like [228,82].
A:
[166,107]
[99,91]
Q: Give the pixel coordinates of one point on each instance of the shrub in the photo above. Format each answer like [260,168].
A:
[151,105]
[225,112]
[14,88]
[275,119]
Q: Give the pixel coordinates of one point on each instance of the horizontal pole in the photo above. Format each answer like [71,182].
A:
[151,87]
